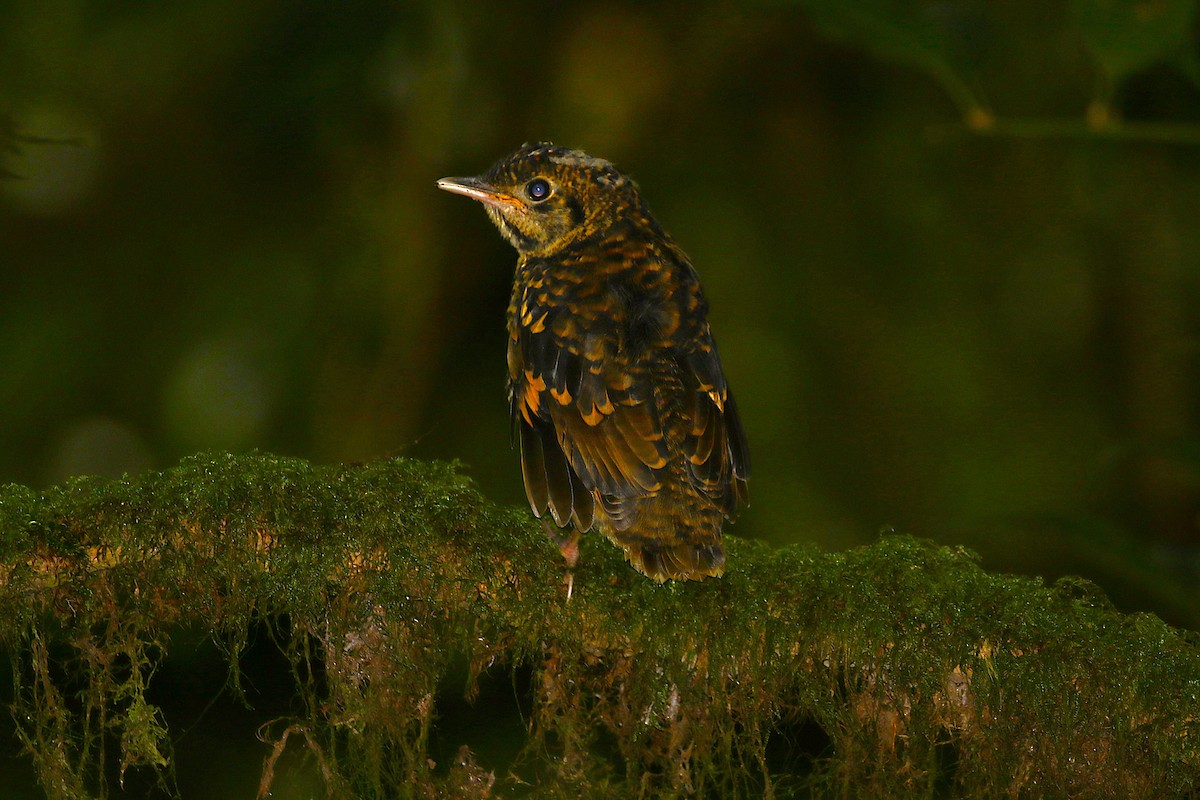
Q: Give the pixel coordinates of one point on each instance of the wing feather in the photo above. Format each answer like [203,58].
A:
[718,457]
[588,433]
[590,421]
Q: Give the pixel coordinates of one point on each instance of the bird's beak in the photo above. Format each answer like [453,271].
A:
[478,190]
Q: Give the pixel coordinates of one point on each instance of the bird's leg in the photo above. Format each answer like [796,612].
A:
[568,545]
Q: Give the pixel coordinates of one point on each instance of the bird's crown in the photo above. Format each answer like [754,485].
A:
[533,157]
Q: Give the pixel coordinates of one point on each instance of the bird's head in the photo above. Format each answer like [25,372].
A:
[543,197]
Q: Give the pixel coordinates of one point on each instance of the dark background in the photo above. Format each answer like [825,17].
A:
[952,249]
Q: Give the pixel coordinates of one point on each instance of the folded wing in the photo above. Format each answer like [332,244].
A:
[591,428]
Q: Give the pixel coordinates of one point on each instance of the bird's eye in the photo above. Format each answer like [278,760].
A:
[538,189]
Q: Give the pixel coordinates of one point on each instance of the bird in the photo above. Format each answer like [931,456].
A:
[616,389]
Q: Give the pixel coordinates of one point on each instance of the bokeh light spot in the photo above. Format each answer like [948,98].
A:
[217,397]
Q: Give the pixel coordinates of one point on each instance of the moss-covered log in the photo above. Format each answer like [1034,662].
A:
[927,675]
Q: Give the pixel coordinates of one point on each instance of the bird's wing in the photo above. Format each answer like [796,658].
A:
[585,425]
[718,457]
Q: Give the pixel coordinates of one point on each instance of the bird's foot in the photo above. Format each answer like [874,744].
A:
[568,545]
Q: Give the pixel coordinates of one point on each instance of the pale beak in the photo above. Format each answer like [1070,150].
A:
[478,190]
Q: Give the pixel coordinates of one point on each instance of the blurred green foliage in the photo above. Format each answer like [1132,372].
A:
[950,247]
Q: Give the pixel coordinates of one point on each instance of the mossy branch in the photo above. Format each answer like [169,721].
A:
[923,671]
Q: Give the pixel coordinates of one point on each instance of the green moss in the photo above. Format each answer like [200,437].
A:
[928,675]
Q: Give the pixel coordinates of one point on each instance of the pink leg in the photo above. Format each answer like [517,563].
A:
[568,545]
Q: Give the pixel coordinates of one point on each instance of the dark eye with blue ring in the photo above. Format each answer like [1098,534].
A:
[538,189]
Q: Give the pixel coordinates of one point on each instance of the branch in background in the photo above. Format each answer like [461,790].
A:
[949,43]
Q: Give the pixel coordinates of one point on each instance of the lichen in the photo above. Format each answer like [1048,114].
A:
[927,675]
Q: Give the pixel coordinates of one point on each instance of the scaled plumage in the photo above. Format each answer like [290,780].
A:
[616,387]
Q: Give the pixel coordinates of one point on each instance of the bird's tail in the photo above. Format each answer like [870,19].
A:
[673,546]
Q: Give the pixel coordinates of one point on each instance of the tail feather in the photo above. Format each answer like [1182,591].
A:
[678,562]
[672,534]
[682,555]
